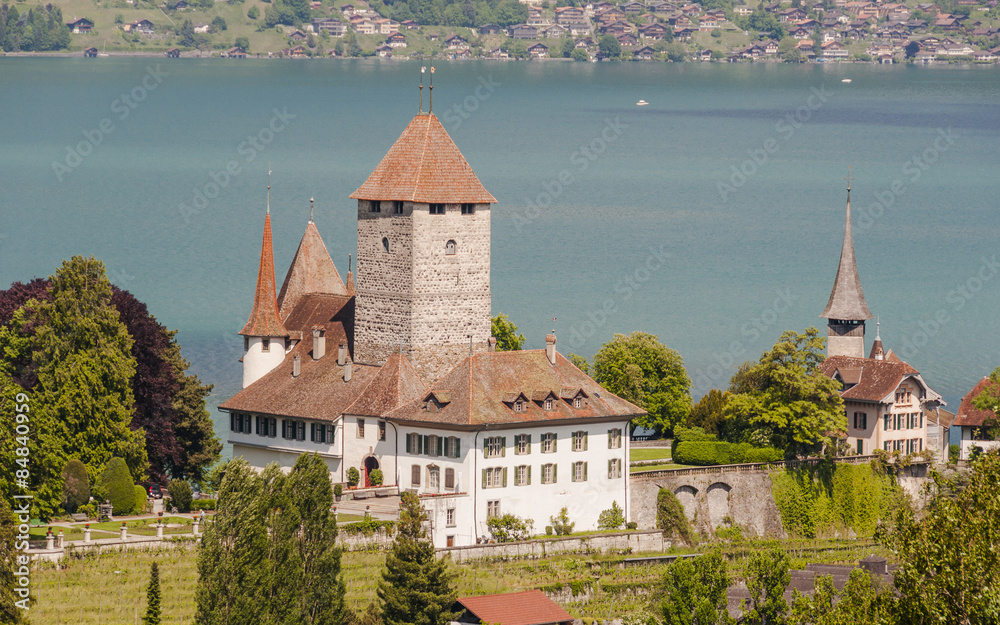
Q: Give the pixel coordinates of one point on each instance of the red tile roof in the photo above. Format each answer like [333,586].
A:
[424,165]
[396,383]
[482,390]
[531,607]
[969,416]
[312,271]
[874,380]
[264,318]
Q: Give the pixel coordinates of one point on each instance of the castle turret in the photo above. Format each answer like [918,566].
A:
[846,312]
[263,335]
[423,277]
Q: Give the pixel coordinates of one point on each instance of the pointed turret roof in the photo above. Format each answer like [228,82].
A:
[424,165]
[878,352]
[312,271]
[264,318]
[847,300]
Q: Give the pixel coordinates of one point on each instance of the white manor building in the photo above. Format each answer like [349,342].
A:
[398,373]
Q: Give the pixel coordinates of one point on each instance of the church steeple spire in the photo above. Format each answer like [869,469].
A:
[264,318]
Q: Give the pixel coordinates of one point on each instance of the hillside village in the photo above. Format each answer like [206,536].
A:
[642,30]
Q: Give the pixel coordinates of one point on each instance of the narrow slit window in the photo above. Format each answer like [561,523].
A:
[449,247]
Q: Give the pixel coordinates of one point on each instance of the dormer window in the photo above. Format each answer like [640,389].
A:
[519,406]
[265,345]
[449,247]
[468,209]
[385,243]
[437,209]
[548,403]
[577,403]
[376,206]
[397,207]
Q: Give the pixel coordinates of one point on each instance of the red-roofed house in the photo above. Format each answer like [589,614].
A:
[411,384]
[531,607]
[975,423]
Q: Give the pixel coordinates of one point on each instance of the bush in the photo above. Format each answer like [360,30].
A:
[76,486]
[509,528]
[688,435]
[338,490]
[180,495]
[706,453]
[579,54]
[631,525]
[253,12]
[203,504]
[375,477]
[140,499]
[115,485]
[560,524]
[353,476]
[90,510]
[612,518]
[954,453]
[670,518]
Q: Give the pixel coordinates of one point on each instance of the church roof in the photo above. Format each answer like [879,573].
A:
[312,271]
[264,318]
[968,415]
[872,380]
[424,165]
[847,300]
[396,383]
[483,387]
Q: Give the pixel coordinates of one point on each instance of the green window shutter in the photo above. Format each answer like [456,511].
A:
[555,477]
[458,444]
[586,438]
[529,450]
[555,439]
[503,447]
[611,438]
[529,475]
[409,444]
[486,447]
[423,444]
[584,471]
[484,478]
[610,469]
[504,482]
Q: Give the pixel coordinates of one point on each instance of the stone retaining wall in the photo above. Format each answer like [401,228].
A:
[621,542]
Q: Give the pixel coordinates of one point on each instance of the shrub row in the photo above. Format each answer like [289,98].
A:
[704,453]
[202,504]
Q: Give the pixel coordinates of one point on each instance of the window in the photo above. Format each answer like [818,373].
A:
[361,428]
[415,475]
[376,206]
[433,477]
[614,468]
[494,477]
[577,403]
[580,441]
[468,209]
[265,345]
[450,541]
[885,425]
[433,445]
[494,447]
[397,207]
[548,442]
[522,475]
[381,430]
[548,403]
[449,247]
[519,406]
[579,471]
[330,433]
[522,444]
[614,438]
[449,478]
[886,445]
[385,243]
[413,443]
[437,209]
[452,447]
[246,343]
[492,508]
[548,474]
[860,421]
[921,421]
[302,431]
[449,518]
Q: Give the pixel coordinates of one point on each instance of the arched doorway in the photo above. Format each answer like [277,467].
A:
[371,463]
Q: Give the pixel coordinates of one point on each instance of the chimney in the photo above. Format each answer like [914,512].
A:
[348,366]
[550,348]
[319,342]
[493,343]
[341,354]
[296,366]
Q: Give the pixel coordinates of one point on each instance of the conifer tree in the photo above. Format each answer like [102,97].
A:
[153,597]
[416,587]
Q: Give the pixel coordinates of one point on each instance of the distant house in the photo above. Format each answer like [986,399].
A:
[523,31]
[975,423]
[297,35]
[531,607]
[633,8]
[455,42]
[628,39]
[553,31]
[409,25]
[297,52]
[489,29]
[653,32]
[142,26]
[645,53]
[347,10]
[834,49]
[90,52]
[236,52]
[539,51]
[80,25]
[984,56]
[335,28]
[182,6]
[384,51]
[173,53]
[498,53]
[396,40]
[684,34]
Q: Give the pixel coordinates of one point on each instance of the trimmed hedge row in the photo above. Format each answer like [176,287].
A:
[705,453]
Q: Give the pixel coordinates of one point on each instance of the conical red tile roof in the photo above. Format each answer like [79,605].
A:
[312,271]
[264,319]
[424,165]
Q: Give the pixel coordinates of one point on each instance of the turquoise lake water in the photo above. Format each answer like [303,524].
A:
[611,217]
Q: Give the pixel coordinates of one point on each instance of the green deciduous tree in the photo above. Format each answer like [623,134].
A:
[506,334]
[863,601]
[709,413]
[199,447]
[152,616]
[767,575]
[416,587]
[180,495]
[612,518]
[642,370]
[508,528]
[784,399]
[76,485]
[610,48]
[578,361]
[253,12]
[693,591]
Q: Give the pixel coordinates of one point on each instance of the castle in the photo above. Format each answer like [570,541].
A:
[412,385]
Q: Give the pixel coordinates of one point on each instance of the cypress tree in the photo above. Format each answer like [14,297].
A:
[153,597]
[416,587]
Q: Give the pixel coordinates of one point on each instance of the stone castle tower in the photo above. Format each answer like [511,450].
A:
[423,275]
[847,311]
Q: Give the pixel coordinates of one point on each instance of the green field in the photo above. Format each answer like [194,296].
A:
[649,453]
[110,589]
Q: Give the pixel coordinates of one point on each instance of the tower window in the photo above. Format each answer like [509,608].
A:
[397,207]
[246,343]
[265,345]
[468,209]
[376,206]
[385,243]
[437,209]
[449,247]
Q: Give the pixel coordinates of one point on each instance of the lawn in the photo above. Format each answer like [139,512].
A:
[657,467]
[649,453]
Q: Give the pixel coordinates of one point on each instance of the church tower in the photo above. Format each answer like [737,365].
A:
[846,312]
[423,275]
